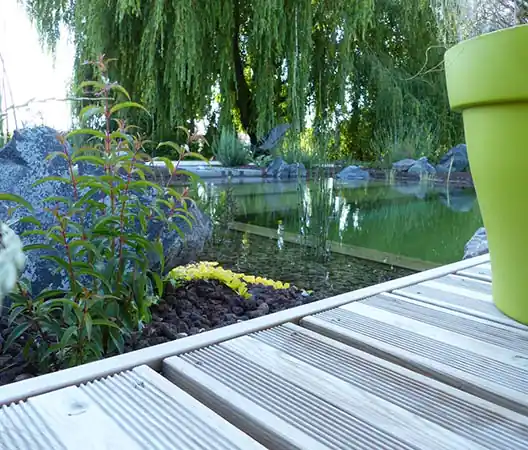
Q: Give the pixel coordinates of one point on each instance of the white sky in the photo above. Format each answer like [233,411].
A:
[32,73]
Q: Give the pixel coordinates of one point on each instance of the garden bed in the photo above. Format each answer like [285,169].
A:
[188,309]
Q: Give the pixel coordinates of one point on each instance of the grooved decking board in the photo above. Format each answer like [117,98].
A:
[137,409]
[459,293]
[480,272]
[483,357]
[291,388]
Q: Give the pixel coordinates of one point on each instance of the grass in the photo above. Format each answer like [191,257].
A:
[411,140]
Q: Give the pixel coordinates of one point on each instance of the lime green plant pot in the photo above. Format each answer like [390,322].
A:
[487,79]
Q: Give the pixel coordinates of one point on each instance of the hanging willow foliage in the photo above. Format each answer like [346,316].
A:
[263,61]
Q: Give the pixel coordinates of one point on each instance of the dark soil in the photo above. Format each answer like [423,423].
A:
[203,305]
[194,308]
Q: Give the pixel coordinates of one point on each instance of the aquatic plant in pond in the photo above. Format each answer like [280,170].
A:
[417,220]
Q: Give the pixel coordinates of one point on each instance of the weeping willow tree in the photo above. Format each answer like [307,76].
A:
[258,61]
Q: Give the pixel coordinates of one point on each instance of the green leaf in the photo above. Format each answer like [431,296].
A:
[158,282]
[95,274]
[191,175]
[31,219]
[34,233]
[98,161]
[145,184]
[31,247]
[124,105]
[172,145]
[85,244]
[62,155]
[168,163]
[59,261]
[90,83]
[105,323]
[18,331]
[89,131]
[62,302]
[88,323]
[117,339]
[67,336]
[102,223]
[125,137]
[52,178]
[197,155]
[89,111]
[57,199]
[15,312]
[184,218]
[16,199]
[48,294]
[119,88]
[176,228]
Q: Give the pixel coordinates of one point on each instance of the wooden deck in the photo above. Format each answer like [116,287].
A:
[424,362]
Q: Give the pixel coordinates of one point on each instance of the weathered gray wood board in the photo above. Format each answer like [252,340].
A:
[480,356]
[291,388]
[137,409]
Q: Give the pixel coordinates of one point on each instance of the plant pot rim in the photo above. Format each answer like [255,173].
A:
[488,69]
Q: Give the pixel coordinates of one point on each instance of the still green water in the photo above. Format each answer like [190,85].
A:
[418,220]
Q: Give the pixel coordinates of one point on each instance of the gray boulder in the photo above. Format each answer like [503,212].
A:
[422,167]
[477,245]
[297,170]
[279,168]
[23,162]
[458,156]
[404,165]
[353,173]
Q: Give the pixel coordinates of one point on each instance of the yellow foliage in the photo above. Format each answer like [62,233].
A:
[206,270]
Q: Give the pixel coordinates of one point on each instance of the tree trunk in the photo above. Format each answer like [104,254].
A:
[244,96]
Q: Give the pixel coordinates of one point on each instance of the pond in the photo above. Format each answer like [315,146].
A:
[376,230]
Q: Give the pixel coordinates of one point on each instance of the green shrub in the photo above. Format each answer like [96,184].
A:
[99,241]
[230,151]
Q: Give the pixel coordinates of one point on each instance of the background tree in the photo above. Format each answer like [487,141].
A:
[352,66]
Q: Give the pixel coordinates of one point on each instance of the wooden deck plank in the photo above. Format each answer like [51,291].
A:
[480,272]
[137,409]
[485,358]
[459,293]
[289,387]
[153,356]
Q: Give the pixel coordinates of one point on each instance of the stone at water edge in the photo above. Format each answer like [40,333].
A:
[477,245]
[296,170]
[279,168]
[459,156]
[422,167]
[404,165]
[23,162]
[353,173]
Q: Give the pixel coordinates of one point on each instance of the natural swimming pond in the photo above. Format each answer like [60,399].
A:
[412,225]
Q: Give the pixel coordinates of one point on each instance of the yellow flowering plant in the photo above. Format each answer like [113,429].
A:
[207,270]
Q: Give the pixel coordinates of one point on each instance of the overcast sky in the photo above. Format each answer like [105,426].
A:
[31,72]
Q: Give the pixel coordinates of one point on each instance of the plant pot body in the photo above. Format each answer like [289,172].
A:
[487,79]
